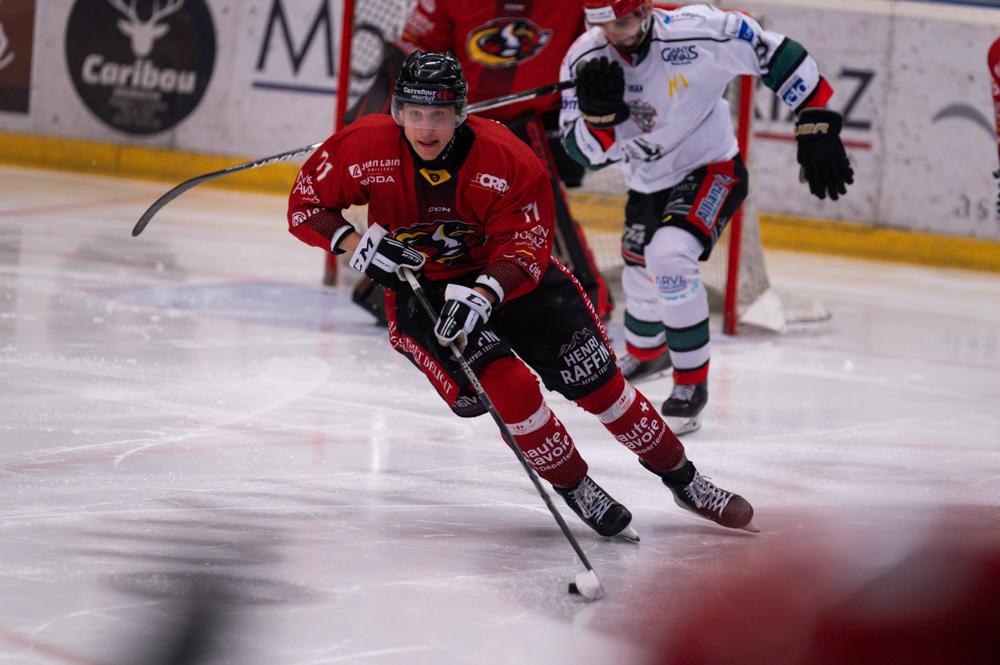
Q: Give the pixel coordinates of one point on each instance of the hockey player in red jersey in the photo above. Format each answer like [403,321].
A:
[506,47]
[503,47]
[461,201]
[649,98]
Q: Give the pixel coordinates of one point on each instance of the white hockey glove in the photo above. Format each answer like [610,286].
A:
[380,257]
[464,310]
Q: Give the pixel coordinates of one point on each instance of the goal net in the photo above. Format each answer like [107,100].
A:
[735,275]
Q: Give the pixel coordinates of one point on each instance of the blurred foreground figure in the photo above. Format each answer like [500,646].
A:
[934,603]
[192,629]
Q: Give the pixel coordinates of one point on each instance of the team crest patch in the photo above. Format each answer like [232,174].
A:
[644,115]
[504,42]
[442,241]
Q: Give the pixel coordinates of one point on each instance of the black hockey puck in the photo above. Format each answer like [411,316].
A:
[573,589]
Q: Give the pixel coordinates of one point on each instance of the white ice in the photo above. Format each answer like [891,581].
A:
[192,405]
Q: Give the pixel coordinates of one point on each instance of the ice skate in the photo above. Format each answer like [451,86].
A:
[684,405]
[693,491]
[635,370]
[599,510]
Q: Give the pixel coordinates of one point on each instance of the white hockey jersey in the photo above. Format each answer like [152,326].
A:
[679,119]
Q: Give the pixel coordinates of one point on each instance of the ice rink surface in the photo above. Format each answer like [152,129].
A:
[191,408]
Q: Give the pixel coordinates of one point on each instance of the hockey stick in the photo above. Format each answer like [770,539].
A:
[172,194]
[524,95]
[587,584]
[197,180]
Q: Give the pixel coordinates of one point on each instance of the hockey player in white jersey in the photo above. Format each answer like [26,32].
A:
[649,99]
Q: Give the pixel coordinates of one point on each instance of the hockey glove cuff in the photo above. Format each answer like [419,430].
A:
[381,257]
[821,153]
[464,310]
[600,90]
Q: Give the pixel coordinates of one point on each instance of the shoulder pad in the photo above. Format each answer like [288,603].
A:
[588,45]
[702,19]
[736,27]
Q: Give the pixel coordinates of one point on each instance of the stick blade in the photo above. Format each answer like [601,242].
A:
[147,216]
[587,585]
[140,226]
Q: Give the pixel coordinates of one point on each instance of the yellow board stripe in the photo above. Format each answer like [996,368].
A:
[595,212]
[137,162]
[880,243]
[604,213]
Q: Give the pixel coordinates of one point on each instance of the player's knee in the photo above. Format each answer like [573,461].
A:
[636,284]
[672,261]
[512,387]
[604,396]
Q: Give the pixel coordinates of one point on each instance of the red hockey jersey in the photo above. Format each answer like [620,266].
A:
[504,46]
[493,215]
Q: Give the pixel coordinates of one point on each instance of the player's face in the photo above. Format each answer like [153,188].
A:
[626,33]
[428,128]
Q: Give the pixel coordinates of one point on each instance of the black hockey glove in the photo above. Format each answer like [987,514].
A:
[464,310]
[380,257]
[600,89]
[821,153]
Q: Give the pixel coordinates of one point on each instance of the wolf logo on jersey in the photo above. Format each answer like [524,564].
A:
[504,42]
[443,241]
[644,115]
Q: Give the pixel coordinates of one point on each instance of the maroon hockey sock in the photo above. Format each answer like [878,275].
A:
[645,355]
[537,432]
[635,422]
[691,376]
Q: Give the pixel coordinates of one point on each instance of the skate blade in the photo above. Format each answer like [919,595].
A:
[681,426]
[652,376]
[751,527]
[628,534]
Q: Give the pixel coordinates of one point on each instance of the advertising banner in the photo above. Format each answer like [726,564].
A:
[282,93]
[940,146]
[855,68]
[918,126]
[140,72]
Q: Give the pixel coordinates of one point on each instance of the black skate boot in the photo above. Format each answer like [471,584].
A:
[693,491]
[370,296]
[598,510]
[634,369]
[681,409]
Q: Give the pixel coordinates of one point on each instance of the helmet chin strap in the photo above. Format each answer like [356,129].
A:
[644,30]
[447,149]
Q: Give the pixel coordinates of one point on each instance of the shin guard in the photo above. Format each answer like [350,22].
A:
[539,434]
[635,422]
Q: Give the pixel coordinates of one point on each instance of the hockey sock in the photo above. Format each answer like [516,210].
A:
[645,335]
[537,432]
[635,422]
[645,355]
[672,259]
[691,376]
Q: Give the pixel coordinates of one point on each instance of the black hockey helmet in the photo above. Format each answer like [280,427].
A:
[431,79]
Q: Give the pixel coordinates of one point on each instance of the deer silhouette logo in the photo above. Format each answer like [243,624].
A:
[143,34]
